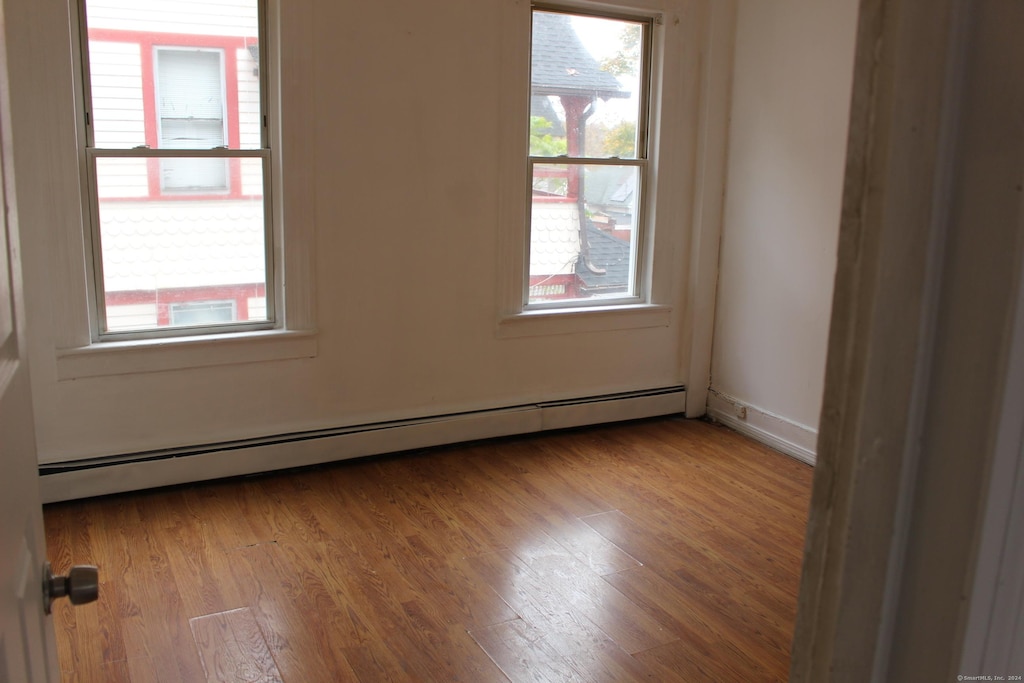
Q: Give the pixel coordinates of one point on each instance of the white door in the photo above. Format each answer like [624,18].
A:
[27,651]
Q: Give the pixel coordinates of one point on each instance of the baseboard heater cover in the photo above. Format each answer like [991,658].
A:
[151,469]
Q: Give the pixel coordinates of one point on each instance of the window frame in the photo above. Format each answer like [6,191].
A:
[638,290]
[90,154]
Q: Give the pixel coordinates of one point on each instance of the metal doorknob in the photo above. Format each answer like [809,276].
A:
[81,585]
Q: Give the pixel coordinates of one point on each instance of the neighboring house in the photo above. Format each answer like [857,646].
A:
[182,238]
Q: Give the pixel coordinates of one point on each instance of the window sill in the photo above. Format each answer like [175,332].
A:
[176,353]
[584,319]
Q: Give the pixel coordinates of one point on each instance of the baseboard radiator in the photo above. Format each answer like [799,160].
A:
[151,469]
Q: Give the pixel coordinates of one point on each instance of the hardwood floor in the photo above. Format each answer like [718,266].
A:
[661,550]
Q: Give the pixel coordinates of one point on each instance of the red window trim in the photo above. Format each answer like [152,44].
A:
[148,42]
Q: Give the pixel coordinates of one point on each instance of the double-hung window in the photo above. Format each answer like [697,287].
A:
[177,158]
[588,159]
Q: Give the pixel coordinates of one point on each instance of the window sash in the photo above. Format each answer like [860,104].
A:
[633,294]
[97,281]
[646,75]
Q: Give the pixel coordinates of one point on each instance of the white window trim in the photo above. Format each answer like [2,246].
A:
[658,284]
[536,322]
[158,355]
[289,101]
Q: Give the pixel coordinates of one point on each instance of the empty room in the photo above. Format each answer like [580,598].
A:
[661,340]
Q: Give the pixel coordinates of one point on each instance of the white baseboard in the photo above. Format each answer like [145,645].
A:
[101,476]
[794,439]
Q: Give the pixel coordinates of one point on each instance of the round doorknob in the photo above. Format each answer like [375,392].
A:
[81,585]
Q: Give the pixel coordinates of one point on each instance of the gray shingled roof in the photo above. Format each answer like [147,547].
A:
[561,65]
[609,253]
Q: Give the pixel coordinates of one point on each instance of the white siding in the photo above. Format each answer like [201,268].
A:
[201,17]
[252,177]
[116,76]
[257,308]
[249,127]
[121,178]
[248,100]
[160,245]
[554,238]
[131,316]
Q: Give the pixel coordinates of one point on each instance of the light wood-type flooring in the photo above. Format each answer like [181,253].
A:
[660,550]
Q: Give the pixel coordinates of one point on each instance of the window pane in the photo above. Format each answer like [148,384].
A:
[203,313]
[156,61]
[585,86]
[175,262]
[186,174]
[583,232]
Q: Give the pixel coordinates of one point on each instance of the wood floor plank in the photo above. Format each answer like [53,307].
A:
[708,637]
[748,598]
[161,630]
[358,629]
[283,603]
[632,628]
[458,598]
[662,550]
[232,648]
[542,599]
[229,513]
[534,509]
[524,655]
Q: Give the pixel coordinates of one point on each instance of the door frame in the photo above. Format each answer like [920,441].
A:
[928,282]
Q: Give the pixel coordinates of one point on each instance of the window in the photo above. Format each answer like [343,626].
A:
[202,312]
[178,158]
[190,108]
[588,158]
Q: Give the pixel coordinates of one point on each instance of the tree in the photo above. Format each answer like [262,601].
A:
[542,143]
[627,60]
[621,140]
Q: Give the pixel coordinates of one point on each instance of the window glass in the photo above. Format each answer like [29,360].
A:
[585,92]
[190,112]
[588,161]
[568,265]
[164,254]
[203,313]
[168,61]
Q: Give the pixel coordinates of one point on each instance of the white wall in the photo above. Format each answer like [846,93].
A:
[403,124]
[790,101]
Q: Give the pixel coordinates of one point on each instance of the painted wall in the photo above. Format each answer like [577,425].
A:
[399,136]
[790,101]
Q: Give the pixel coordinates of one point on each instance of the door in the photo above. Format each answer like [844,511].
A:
[27,651]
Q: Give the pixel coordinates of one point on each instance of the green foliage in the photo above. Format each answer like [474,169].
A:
[542,143]
[621,140]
